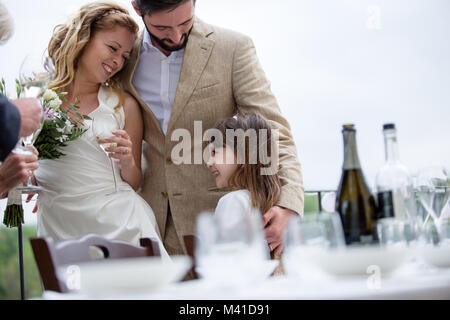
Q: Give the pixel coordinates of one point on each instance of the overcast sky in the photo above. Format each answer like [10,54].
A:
[330,62]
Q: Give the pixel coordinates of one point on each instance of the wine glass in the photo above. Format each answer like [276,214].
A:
[306,239]
[231,248]
[322,230]
[22,148]
[397,233]
[102,128]
[445,211]
[34,76]
[432,185]
[328,201]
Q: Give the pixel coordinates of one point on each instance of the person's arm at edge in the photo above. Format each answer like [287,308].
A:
[10,126]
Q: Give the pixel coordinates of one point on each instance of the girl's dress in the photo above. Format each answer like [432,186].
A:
[240,201]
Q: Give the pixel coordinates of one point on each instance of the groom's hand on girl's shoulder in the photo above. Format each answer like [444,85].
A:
[275,221]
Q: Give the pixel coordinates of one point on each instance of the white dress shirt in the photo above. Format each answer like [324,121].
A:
[156,78]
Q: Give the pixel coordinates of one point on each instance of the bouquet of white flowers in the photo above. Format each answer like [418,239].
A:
[59,127]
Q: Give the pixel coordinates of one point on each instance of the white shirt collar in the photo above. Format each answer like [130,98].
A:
[146,41]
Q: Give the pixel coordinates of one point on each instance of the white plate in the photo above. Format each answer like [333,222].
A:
[267,268]
[259,271]
[436,256]
[362,260]
[131,275]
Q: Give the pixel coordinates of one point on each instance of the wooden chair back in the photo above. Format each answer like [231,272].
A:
[50,255]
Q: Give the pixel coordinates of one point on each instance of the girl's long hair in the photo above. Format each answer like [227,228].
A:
[69,40]
[264,189]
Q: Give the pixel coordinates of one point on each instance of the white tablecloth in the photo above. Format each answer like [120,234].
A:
[413,281]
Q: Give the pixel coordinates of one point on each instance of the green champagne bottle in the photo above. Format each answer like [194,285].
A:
[354,201]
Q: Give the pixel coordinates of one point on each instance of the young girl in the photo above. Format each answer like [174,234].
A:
[242,166]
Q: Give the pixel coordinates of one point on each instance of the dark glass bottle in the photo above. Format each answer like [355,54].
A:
[354,201]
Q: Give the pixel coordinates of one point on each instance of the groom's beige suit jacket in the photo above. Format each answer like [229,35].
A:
[220,75]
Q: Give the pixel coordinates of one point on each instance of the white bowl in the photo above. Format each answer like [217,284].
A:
[131,275]
[363,260]
[267,268]
[258,271]
[436,256]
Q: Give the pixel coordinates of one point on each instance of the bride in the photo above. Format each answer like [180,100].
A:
[88,52]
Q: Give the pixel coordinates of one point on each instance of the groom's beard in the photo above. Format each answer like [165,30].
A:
[163,42]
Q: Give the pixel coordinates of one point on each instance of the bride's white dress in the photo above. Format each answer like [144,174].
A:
[75,200]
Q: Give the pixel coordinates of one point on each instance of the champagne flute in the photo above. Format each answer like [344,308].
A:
[102,128]
[22,148]
[34,77]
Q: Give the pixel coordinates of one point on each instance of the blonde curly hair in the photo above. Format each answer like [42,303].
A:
[69,40]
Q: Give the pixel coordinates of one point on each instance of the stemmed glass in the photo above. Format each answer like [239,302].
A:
[231,249]
[433,188]
[308,238]
[22,148]
[397,233]
[432,185]
[102,128]
[445,212]
[34,77]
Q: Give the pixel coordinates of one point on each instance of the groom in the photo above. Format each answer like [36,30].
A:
[185,70]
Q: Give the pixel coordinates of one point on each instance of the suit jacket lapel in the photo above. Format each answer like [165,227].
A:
[196,56]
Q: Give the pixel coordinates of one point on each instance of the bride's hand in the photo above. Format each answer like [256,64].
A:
[124,149]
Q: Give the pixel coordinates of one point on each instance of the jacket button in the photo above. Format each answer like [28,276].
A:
[169,160]
[164,194]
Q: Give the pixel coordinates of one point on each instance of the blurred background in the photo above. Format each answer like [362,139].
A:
[330,62]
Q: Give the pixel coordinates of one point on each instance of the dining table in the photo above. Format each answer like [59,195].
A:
[412,281]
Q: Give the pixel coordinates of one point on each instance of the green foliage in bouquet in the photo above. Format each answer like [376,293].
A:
[3,87]
[59,126]
[13,215]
